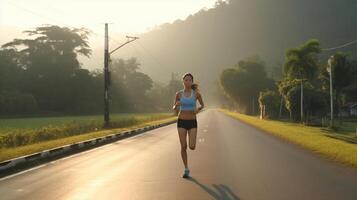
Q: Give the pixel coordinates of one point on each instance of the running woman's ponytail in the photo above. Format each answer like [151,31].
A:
[194,86]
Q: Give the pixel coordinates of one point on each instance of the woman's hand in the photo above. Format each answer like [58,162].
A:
[178,103]
[197,110]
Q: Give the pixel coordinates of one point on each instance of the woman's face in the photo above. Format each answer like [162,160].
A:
[187,81]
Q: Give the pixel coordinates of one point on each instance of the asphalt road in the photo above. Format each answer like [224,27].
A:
[232,161]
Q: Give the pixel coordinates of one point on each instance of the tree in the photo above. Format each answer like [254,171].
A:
[129,86]
[51,71]
[301,63]
[315,101]
[11,73]
[344,72]
[269,101]
[244,81]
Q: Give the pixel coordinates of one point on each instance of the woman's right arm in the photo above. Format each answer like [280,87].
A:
[176,102]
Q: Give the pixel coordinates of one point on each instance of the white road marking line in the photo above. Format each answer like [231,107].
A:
[52,162]
[71,156]
[22,172]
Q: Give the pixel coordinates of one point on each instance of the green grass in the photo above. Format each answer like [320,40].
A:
[24,131]
[312,138]
[13,152]
[38,122]
[347,128]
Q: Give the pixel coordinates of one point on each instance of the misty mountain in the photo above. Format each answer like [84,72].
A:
[213,39]
[207,42]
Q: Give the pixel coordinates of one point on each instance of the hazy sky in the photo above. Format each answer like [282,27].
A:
[126,15]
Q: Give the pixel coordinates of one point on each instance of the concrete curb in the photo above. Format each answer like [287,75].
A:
[95,142]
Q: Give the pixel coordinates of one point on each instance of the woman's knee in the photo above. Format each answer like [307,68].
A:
[193,147]
[183,147]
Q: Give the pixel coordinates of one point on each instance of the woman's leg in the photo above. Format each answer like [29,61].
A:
[192,134]
[183,134]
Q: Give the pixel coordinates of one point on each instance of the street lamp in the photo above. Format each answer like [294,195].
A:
[329,70]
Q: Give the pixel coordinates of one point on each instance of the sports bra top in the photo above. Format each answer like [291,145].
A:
[188,103]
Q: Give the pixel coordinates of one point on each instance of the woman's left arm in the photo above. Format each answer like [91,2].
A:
[199,98]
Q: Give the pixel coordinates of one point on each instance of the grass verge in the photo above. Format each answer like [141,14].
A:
[20,132]
[13,152]
[312,138]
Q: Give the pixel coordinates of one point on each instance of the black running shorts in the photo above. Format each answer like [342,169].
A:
[186,123]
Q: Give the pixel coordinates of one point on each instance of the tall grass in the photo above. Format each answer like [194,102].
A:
[19,132]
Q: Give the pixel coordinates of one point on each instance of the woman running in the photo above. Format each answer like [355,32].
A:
[186,122]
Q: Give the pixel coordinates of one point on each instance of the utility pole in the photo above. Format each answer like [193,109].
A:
[329,70]
[281,107]
[302,101]
[106,77]
[107,81]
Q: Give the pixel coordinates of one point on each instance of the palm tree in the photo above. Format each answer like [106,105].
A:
[302,64]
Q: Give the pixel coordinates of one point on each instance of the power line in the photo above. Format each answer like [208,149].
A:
[34,13]
[143,54]
[150,54]
[133,47]
[56,21]
[340,46]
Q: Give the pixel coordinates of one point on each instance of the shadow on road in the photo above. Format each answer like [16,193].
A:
[221,192]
